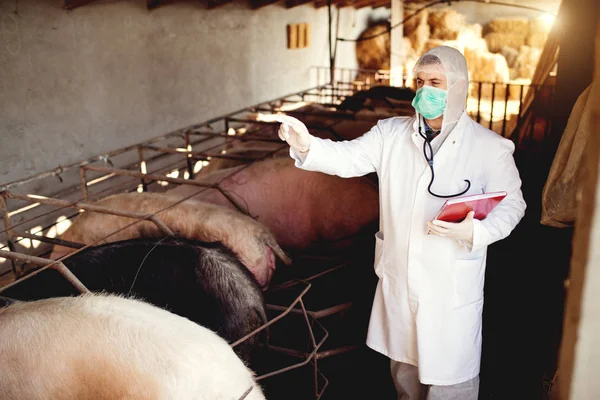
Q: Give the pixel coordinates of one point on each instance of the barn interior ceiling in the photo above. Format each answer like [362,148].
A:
[254,4]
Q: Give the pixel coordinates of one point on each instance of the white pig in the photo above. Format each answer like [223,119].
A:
[109,347]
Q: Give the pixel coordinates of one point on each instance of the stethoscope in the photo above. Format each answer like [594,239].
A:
[427,143]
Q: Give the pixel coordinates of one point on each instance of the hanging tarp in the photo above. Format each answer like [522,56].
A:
[559,198]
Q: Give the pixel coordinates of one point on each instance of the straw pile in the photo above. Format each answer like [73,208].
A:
[469,33]
[511,56]
[446,23]
[374,53]
[497,40]
[490,67]
[413,23]
[527,61]
[417,30]
[517,26]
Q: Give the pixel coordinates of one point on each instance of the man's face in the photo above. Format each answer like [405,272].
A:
[432,77]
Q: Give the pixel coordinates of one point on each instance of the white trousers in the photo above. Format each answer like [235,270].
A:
[408,387]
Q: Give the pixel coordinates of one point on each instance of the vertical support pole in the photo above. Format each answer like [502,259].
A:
[331,58]
[492,105]
[83,178]
[515,133]
[143,168]
[190,164]
[396,44]
[506,94]
[479,103]
[9,234]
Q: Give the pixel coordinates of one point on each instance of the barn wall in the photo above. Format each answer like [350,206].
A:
[110,74]
[580,353]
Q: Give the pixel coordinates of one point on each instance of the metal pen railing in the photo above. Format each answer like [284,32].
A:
[497,106]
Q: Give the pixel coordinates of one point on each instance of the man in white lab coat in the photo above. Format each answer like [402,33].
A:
[427,310]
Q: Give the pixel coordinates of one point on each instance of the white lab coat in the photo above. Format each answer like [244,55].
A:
[427,309]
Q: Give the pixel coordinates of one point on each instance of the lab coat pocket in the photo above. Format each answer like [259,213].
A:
[469,277]
[378,264]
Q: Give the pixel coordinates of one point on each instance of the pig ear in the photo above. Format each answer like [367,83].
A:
[278,251]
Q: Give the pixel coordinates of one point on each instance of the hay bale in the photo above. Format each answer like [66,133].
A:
[432,43]
[413,23]
[469,33]
[470,38]
[374,53]
[511,56]
[496,41]
[472,52]
[515,26]
[527,61]
[420,34]
[537,40]
[489,67]
[446,23]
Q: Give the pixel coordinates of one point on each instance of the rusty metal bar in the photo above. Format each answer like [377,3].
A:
[314,314]
[517,130]
[203,155]
[46,239]
[294,282]
[300,364]
[92,207]
[244,137]
[83,178]
[286,312]
[492,105]
[57,265]
[506,95]
[165,168]
[188,159]
[9,234]
[334,352]
[143,166]
[124,172]
[171,180]
[479,103]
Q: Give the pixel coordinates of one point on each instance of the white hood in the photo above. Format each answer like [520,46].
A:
[454,67]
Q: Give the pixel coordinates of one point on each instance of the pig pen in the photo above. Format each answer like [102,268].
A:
[318,308]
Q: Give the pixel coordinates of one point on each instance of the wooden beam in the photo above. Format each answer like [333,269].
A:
[71,4]
[254,4]
[362,3]
[295,3]
[151,4]
[381,3]
[323,3]
[217,3]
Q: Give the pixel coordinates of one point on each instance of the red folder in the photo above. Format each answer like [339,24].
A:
[455,210]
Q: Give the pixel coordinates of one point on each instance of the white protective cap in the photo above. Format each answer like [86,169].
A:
[450,62]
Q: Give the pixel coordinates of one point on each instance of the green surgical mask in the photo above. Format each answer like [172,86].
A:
[430,101]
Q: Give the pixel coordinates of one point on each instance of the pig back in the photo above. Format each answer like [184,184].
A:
[204,282]
[107,347]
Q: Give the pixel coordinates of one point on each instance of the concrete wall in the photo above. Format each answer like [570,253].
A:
[107,75]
